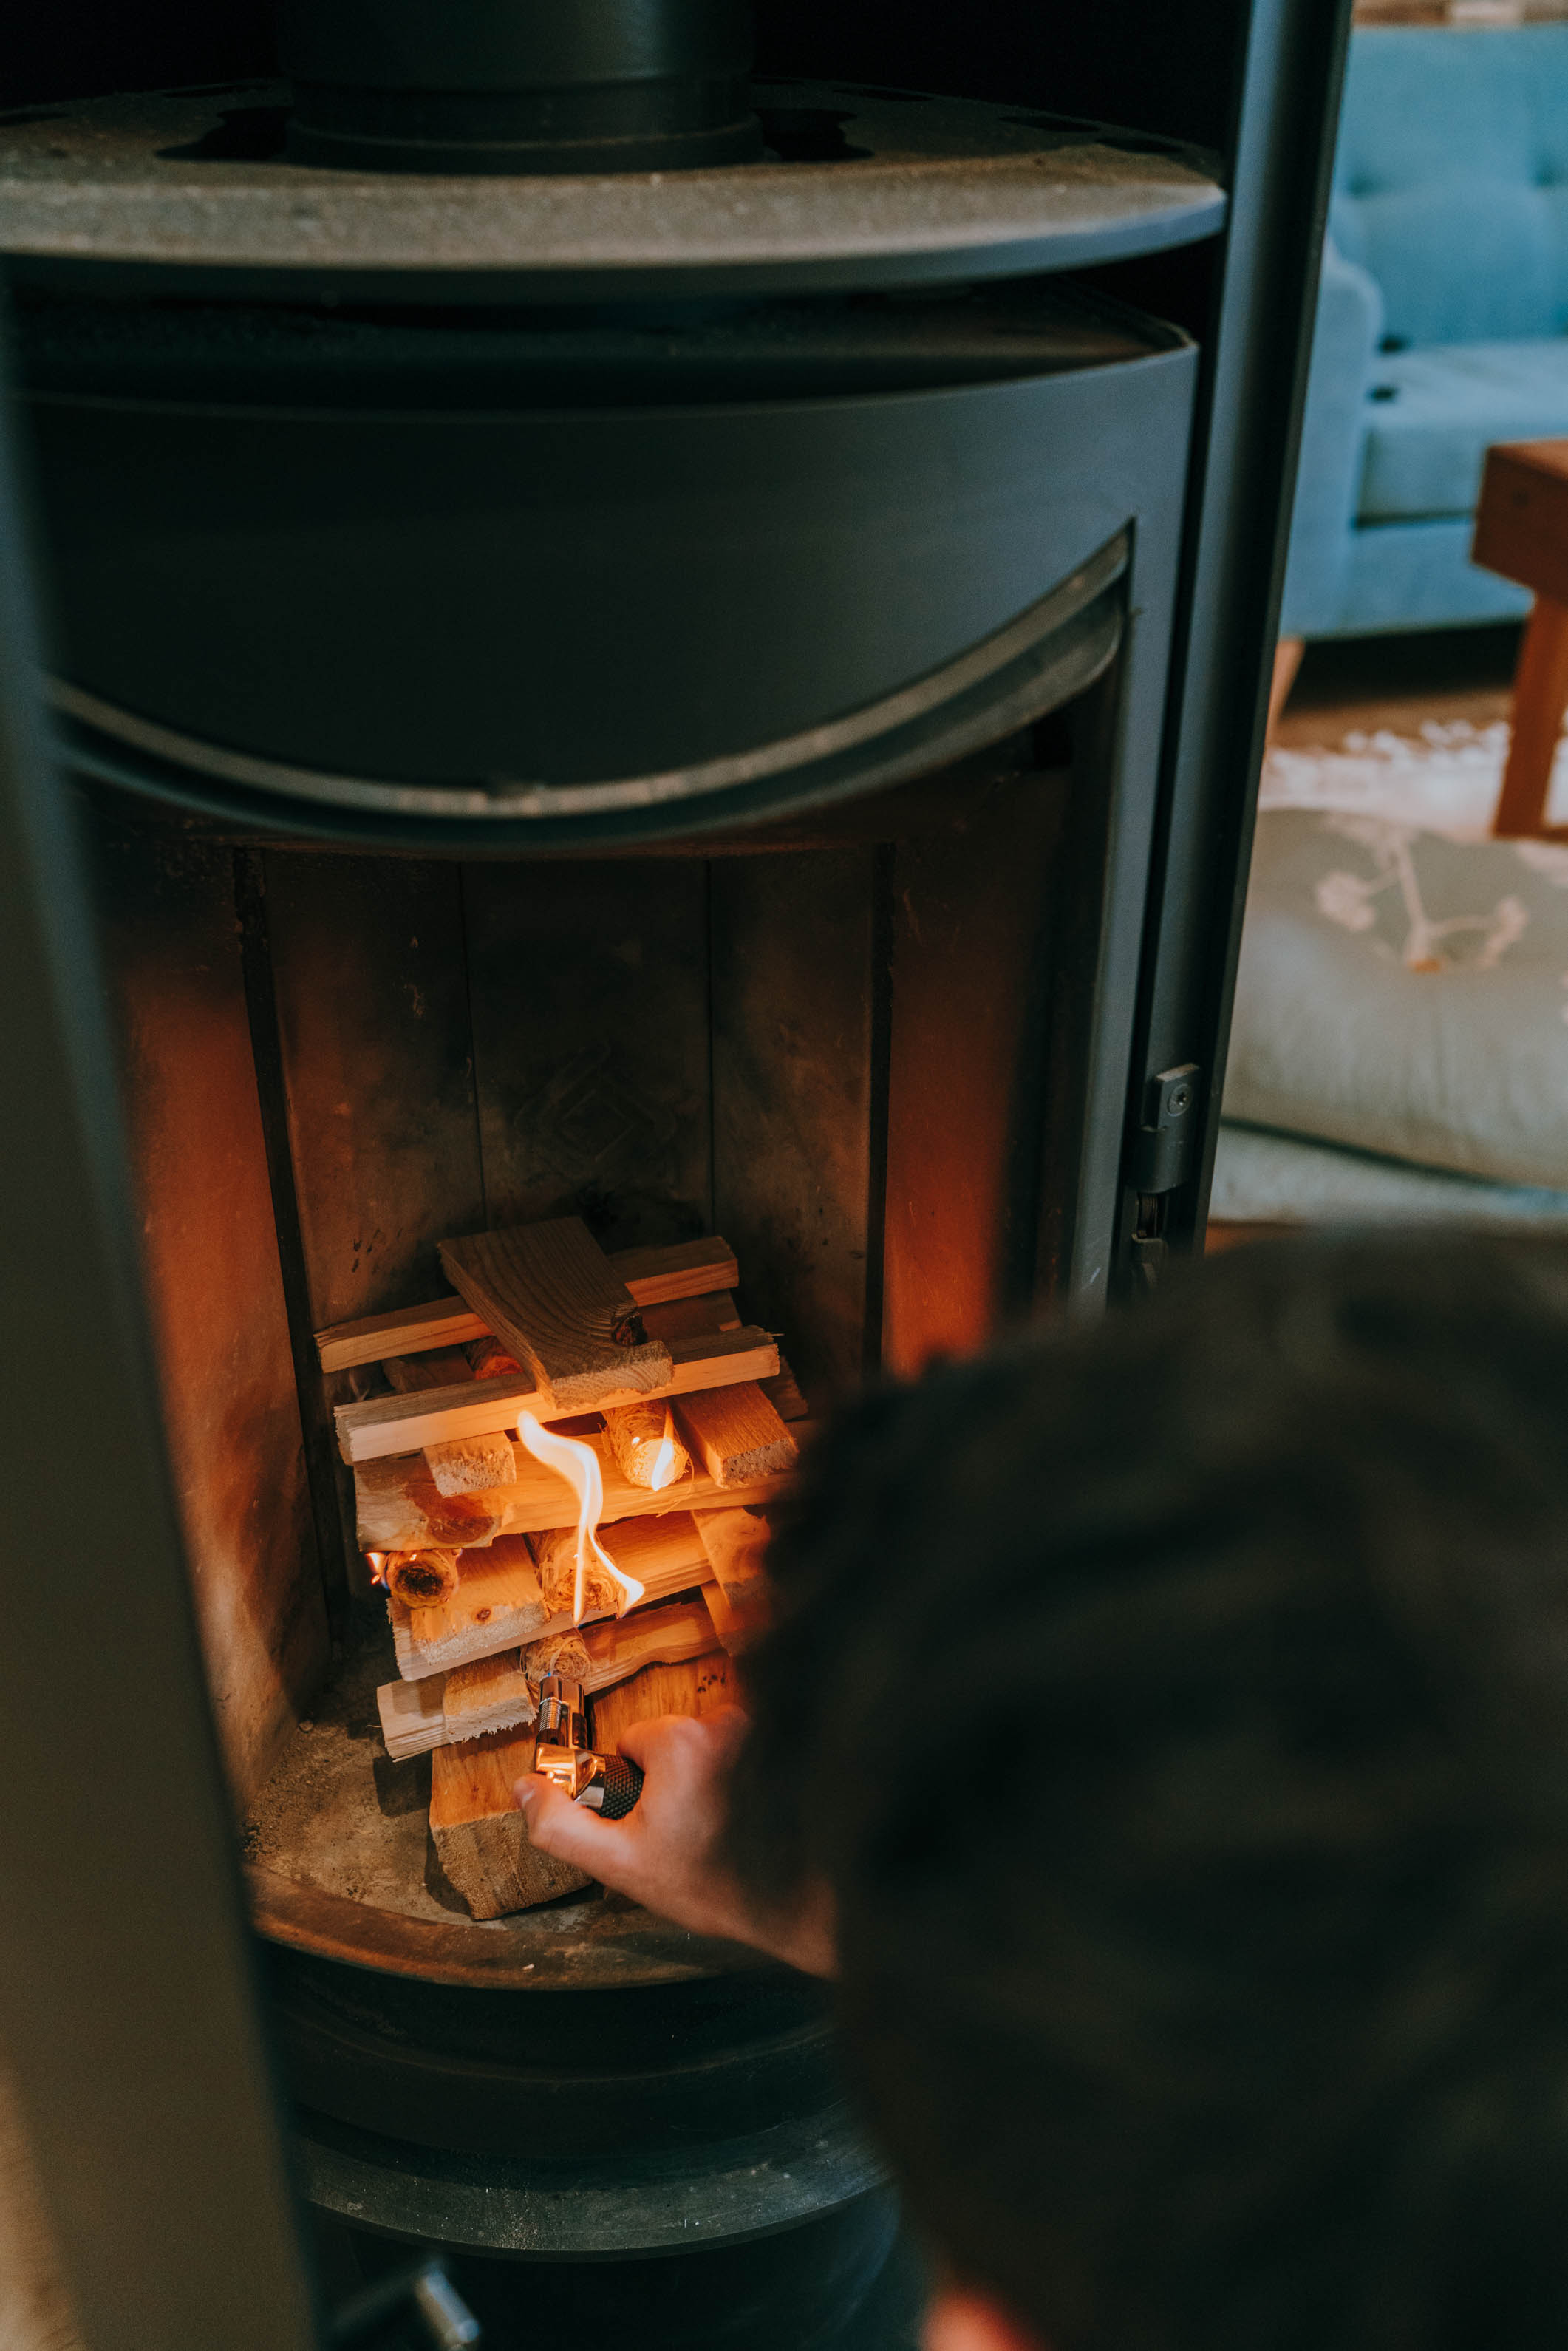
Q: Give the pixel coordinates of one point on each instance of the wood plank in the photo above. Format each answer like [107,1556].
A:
[201,1203]
[701,1686]
[691,1318]
[487,1694]
[972,934]
[677,1269]
[470,1465]
[444,1367]
[498,1693]
[682,1270]
[551,1295]
[400,1508]
[783,1392]
[737,1434]
[589,984]
[480,1838]
[795,992]
[736,1544]
[385,1425]
[507,1608]
[497,1605]
[732,1634]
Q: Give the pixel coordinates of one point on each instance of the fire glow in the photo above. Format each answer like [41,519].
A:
[665,1464]
[579,1465]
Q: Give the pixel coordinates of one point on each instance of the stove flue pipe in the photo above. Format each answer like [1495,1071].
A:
[518,86]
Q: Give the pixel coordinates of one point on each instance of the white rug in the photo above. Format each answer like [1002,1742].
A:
[1447,780]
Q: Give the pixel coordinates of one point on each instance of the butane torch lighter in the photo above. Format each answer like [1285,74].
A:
[605,1783]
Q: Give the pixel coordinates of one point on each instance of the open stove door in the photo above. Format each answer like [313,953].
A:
[130,2021]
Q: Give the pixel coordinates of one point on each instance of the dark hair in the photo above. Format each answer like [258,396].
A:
[1178,1709]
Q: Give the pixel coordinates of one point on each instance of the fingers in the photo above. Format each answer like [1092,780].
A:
[558,1827]
[719,1732]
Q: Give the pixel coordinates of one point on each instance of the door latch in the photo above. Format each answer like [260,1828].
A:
[1162,1152]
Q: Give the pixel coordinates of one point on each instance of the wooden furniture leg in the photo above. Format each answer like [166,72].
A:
[1540,699]
[1287,662]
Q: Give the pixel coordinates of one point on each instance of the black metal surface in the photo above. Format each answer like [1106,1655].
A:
[586,2075]
[184,195]
[581,85]
[1287,97]
[716,2192]
[844,2281]
[548,626]
[148,2111]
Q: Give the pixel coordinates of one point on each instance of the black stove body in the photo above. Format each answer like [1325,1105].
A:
[665,616]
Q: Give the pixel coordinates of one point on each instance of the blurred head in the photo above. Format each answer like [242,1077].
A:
[1178,1711]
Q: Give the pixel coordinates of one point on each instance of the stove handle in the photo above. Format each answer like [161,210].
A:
[375,2317]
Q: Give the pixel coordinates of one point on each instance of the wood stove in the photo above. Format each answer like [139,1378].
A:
[689,694]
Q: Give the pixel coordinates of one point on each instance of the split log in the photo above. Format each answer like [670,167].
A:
[501,1693]
[644,1440]
[698,1688]
[420,1579]
[692,1318]
[489,1360]
[550,1294]
[783,1392]
[652,1275]
[736,1544]
[737,1434]
[383,1425]
[400,1508]
[471,1465]
[733,1635]
[488,1694]
[444,1367]
[499,1604]
[481,1839]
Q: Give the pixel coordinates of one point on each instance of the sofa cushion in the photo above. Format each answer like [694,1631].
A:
[1451,179]
[1433,414]
[1405,994]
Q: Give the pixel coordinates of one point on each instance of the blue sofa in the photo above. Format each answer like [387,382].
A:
[1441,323]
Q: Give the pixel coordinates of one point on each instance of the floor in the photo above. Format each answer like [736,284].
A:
[1363,683]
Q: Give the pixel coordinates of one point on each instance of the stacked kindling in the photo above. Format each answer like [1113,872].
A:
[642,1358]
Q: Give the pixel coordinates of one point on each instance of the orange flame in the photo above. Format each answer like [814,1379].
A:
[579,1465]
[376,1560]
[664,1460]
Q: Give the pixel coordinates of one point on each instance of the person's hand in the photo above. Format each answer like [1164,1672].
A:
[665,1853]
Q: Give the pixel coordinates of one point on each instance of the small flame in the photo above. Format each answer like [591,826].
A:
[664,1460]
[579,1465]
[377,1563]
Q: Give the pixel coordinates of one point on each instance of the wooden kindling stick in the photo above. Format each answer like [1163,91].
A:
[643,1441]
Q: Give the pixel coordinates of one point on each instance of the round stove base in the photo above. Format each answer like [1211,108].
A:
[715,2193]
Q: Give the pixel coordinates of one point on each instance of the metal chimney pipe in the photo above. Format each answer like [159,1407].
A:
[519,86]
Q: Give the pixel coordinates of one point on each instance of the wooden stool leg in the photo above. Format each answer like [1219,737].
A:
[1540,699]
[1287,662]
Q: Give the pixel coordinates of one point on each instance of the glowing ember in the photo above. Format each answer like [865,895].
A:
[664,1460]
[579,1465]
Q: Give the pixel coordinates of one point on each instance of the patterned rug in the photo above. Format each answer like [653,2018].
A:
[1446,779]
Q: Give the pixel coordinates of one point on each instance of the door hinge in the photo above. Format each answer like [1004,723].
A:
[1163,1150]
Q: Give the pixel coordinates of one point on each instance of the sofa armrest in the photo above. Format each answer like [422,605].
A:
[1346,339]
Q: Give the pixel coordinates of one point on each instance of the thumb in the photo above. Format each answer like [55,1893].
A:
[568,1831]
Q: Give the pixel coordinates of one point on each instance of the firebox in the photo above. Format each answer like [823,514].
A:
[654,641]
